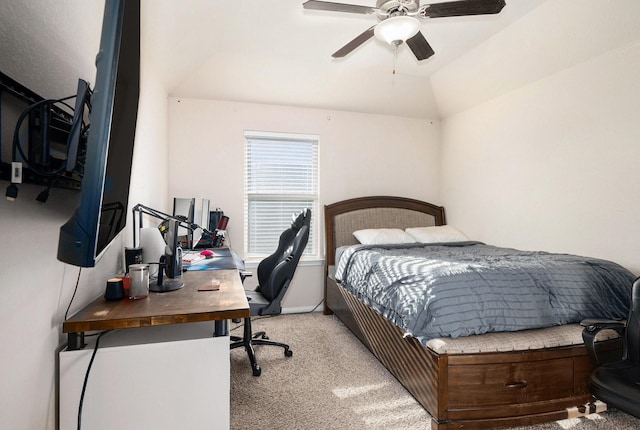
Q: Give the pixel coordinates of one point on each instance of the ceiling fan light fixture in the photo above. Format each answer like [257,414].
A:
[397,29]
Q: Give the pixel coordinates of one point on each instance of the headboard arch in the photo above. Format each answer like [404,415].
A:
[345,217]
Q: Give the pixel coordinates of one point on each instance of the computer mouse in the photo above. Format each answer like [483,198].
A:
[207,253]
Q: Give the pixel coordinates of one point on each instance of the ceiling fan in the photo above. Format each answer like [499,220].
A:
[399,20]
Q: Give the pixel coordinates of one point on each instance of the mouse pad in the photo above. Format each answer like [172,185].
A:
[222,259]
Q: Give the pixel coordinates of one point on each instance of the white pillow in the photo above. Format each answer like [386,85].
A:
[437,234]
[379,236]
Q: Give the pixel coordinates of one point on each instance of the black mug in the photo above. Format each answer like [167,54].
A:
[114,290]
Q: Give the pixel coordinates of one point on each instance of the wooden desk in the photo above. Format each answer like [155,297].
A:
[185,305]
[160,373]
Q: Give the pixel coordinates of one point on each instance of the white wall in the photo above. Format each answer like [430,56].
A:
[552,164]
[36,288]
[360,154]
[149,185]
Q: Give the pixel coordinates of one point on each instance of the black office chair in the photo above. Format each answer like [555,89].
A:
[618,383]
[274,276]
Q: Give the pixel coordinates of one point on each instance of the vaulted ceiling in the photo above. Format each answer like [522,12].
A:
[274,51]
[262,51]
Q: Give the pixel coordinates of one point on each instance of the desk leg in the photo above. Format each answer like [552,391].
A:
[221,328]
[75,341]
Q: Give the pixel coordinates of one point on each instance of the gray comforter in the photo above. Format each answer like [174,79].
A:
[460,289]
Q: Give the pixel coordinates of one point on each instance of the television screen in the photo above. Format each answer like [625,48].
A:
[104,192]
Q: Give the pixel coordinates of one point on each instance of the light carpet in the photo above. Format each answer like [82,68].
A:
[332,381]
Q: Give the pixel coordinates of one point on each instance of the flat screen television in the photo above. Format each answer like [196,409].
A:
[104,192]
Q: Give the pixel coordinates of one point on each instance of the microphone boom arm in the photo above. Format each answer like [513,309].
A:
[146,210]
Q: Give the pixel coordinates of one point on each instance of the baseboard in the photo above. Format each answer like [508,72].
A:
[303,309]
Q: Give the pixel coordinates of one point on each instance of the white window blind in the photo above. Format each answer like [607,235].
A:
[281,179]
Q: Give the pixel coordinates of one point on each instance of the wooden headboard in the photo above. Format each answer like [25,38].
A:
[343,218]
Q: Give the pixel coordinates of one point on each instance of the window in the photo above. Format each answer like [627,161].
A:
[281,179]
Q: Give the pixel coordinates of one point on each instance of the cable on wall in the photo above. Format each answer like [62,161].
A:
[66,314]
[86,378]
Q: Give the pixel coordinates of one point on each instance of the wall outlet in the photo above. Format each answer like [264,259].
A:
[16,172]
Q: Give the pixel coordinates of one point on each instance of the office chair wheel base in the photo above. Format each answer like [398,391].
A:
[288,353]
[256,370]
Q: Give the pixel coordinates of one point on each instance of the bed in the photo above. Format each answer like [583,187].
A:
[488,380]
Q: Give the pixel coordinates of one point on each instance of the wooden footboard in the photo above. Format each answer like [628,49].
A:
[477,390]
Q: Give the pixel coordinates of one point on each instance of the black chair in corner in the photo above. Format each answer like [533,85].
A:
[617,383]
[274,276]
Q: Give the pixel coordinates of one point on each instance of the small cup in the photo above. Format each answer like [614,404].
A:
[139,275]
[114,290]
[126,282]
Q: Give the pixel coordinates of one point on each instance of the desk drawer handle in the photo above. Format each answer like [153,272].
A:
[516,384]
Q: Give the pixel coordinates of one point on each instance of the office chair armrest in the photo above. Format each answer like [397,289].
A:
[244,274]
[592,327]
[592,324]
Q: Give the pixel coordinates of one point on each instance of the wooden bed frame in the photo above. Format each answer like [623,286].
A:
[459,390]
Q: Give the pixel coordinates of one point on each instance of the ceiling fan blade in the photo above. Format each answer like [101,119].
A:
[420,47]
[346,49]
[461,8]
[338,7]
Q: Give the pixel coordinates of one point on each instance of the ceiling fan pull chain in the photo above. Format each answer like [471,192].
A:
[395,57]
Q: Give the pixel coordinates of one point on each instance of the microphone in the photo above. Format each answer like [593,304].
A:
[218,241]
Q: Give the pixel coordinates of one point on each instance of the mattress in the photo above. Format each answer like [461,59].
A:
[469,288]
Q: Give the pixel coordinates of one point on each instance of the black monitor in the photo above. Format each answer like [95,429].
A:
[104,192]
[171,260]
[184,209]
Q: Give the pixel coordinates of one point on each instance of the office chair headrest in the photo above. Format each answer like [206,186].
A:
[303,218]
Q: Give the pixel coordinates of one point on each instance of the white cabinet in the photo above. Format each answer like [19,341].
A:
[166,377]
